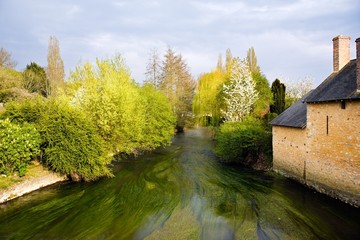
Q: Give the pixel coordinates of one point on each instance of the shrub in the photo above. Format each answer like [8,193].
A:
[70,142]
[235,141]
[18,145]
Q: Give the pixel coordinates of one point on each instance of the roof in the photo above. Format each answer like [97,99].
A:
[294,116]
[338,86]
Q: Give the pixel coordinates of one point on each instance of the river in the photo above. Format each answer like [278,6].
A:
[179,192]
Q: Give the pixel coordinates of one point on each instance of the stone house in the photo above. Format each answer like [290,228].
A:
[317,140]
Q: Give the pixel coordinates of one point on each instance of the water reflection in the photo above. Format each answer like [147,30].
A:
[181,192]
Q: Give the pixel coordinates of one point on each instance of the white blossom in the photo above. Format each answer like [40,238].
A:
[239,93]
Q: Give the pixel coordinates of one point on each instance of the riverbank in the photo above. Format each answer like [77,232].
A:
[36,177]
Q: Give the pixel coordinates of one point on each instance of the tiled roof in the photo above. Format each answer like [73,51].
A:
[338,86]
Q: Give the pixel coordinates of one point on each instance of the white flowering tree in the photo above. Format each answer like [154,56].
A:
[239,93]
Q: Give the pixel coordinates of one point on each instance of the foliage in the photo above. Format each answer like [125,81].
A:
[237,140]
[159,119]
[6,60]
[178,85]
[18,145]
[119,107]
[10,78]
[11,86]
[70,141]
[35,79]
[239,92]
[278,90]
[262,103]
[206,104]
[71,144]
[55,69]
[111,99]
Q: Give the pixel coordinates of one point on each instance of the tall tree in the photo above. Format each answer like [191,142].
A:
[153,69]
[278,90]
[35,79]
[6,60]
[178,85]
[207,101]
[252,60]
[219,65]
[239,93]
[55,68]
[228,63]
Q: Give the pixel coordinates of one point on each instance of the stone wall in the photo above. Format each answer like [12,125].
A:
[326,154]
[289,148]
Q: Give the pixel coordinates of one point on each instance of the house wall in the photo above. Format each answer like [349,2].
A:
[289,151]
[326,154]
[333,139]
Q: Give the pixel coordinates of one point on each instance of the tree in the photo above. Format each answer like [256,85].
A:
[262,103]
[153,69]
[35,79]
[207,102]
[278,90]
[178,85]
[219,65]
[55,68]
[5,59]
[228,63]
[296,90]
[252,61]
[239,92]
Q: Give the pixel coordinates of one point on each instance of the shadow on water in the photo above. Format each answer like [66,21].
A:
[179,192]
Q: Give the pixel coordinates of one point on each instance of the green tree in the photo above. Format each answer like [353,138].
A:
[35,79]
[159,118]
[107,93]
[278,90]
[55,69]
[207,102]
[265,96]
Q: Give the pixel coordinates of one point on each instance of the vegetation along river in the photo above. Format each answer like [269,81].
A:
[180,192]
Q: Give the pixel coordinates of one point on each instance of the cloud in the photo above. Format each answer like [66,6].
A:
[291,38]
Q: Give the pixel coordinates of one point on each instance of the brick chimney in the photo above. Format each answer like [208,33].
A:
[341,52]
[358,64]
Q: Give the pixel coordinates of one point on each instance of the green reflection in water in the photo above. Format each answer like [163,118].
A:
[181,192]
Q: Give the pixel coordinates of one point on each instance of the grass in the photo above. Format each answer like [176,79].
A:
[33,171]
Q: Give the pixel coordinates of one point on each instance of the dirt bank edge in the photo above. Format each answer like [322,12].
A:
[30,185]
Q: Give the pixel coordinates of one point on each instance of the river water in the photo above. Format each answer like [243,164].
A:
[180,192]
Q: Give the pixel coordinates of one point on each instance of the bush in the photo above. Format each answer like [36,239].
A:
[70,142]
[18,145]
[236,141]
[159,119]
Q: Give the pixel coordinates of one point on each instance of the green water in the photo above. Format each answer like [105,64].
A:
[180,192]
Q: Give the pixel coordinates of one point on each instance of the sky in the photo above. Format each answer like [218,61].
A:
[292,38]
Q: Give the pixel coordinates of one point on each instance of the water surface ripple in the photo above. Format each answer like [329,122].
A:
[179,192]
